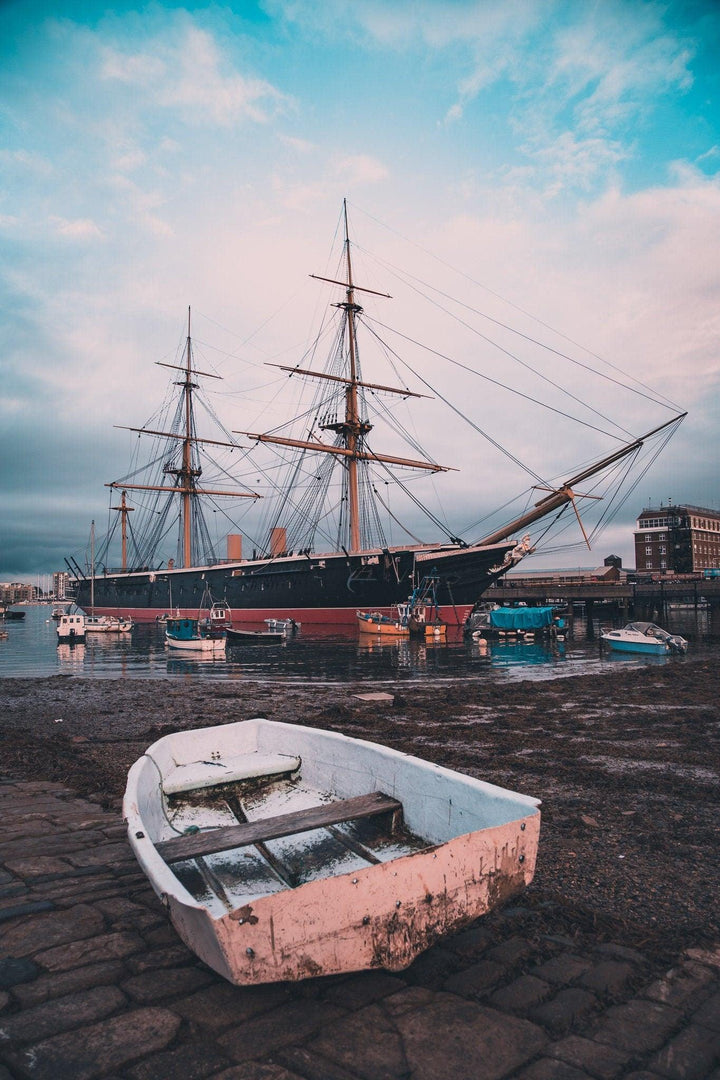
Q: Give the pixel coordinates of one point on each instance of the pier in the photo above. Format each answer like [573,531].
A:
[629,600]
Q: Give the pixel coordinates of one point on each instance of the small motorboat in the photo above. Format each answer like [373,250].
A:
[644,637]
[375,622]
[191,635]
[283,852]
[255,637]
[288,626]
[107,624]
[11,614]
[71,628]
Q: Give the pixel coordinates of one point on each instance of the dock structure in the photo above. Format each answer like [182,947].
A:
[626,599]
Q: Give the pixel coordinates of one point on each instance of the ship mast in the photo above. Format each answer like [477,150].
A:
[123,510]
[186,474]
[352,428]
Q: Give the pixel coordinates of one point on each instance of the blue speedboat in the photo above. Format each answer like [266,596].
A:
[644,637]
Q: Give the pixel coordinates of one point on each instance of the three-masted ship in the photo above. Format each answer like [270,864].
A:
[287,577]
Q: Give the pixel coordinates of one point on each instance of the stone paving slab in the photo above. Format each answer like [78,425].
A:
[96,985]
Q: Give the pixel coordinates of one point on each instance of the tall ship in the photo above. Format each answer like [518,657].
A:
[323,553]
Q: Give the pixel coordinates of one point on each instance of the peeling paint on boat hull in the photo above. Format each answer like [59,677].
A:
[380,917]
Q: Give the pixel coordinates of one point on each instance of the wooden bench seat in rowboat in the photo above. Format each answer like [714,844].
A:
[205,774]
[193,845]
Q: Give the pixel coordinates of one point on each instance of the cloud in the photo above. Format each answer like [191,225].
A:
[24,162]
[192,75]
[157,159]
[571,162]
[609,67]
[358,169]
[302,146]
[81,229]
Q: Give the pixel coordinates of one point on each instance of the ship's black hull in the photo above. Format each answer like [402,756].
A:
[310,589]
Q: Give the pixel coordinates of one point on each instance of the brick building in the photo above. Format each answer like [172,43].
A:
[681,539]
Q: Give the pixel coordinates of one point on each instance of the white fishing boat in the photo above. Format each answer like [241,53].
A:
[644,637]
[282,852]
[102,624]
[107,624]
[71,628]
[288,626]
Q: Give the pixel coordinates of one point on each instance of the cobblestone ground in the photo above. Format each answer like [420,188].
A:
[94,983]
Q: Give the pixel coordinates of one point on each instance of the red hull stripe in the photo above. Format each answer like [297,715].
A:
[453,616]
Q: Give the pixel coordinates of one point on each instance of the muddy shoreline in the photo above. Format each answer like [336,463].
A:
[626,763]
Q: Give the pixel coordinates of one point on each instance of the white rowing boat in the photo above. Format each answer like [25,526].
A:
[283,852]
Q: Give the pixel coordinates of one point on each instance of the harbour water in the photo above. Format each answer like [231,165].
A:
[31,651]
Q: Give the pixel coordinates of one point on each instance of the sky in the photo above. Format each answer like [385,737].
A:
[562,156]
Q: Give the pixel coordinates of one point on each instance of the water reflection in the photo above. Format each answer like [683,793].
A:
[316,654]
[71,657]
[507,654]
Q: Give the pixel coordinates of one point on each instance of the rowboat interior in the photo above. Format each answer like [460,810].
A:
[283,851]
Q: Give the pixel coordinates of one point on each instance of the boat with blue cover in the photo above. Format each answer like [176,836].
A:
[518,621]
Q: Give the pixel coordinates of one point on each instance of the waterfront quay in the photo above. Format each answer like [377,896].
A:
[94,983]
[606,968]
[639,600]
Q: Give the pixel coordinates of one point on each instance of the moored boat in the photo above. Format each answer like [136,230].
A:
[644,637]
[11,614]
[107,624]
[255,637]
[375,622]
[283,852]
[102,624]
[189,635]
[521,621]
[288,626]
[71,628]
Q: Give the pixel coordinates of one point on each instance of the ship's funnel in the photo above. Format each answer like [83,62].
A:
[278,541]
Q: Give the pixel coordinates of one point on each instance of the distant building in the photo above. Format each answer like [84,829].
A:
[677,539]
[16,592]
[610,571]
[60,584]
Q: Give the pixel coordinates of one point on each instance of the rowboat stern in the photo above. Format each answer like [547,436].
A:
[381,917]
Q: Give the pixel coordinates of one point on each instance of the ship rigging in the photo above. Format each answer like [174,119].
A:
[323,550]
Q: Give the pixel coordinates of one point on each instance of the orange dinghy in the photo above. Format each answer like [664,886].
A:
[283,852]
[373,622]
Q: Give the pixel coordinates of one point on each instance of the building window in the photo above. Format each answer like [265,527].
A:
[663,550]
[648,551]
